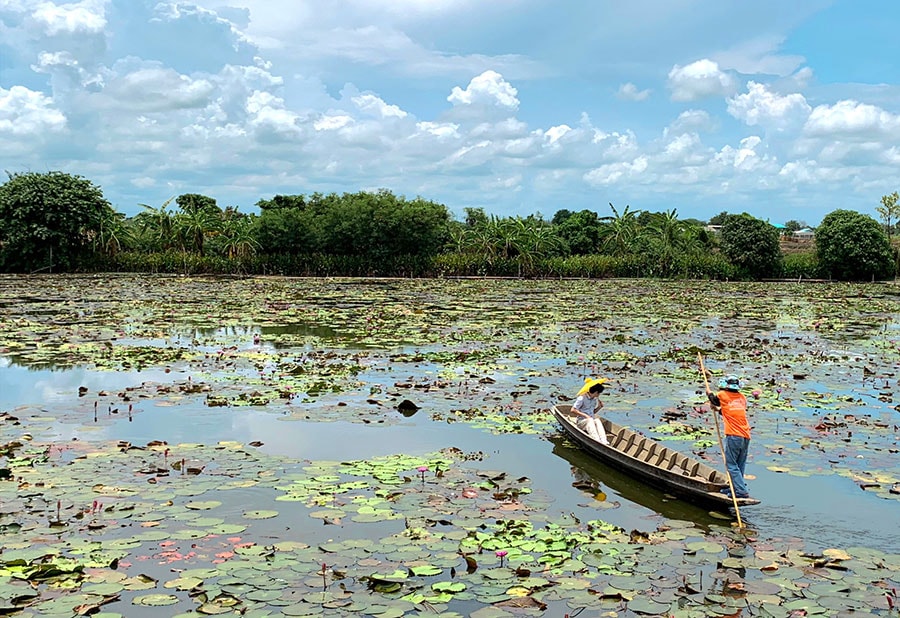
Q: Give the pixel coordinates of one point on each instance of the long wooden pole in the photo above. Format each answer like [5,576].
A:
[721,447]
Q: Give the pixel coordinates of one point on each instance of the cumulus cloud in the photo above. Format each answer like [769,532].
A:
[699,80]
[441,130]
[235,97]
[691,121]
[850,119]
[87,16]
[630,92]
[488,89]
[614,172]
[154,88]
[26,112]
[268,111]
[761,106]
[332,122]
[746,157]
[374,105]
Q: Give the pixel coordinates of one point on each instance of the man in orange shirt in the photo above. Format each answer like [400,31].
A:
[733,406]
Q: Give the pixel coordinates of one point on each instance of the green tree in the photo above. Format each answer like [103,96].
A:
[199,218]
[156,226]
[532,239]
[667,238]
[381,225]
[853,247]
[579,232]
[619,234]
[889,211]
[719,219]
[192,202]
[237,238]
[561,215]
[48,220]
[290,224]
[792,226]
[113,234]
[752,245]
[475,216]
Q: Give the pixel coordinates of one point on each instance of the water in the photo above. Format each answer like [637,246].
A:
[490,342]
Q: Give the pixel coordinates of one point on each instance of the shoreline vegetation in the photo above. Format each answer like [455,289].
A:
[56,222]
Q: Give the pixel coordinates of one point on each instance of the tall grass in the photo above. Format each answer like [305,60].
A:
[462,264]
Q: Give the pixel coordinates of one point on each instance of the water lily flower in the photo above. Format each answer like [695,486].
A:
[501,553]
[422,470]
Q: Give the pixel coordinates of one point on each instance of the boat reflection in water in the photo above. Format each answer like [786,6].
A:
[607,484]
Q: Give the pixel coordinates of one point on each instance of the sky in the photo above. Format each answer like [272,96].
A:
[784,110]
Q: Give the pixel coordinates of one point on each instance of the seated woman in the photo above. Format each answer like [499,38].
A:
[586,405]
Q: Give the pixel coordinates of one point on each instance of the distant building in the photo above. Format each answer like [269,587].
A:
[804,234]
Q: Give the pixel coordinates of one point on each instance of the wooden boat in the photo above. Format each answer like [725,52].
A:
[655,464]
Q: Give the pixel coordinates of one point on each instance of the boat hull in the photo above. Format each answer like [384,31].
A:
[642,457]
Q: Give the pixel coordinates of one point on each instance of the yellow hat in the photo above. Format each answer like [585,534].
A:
[589,382]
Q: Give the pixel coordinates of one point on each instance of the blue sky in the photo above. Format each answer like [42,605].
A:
[785,110]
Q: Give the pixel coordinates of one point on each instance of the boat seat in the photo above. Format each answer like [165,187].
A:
[662,458]
[650,452]
[628,443]
[695,469]
[677,461]
[635,449]
[615,438]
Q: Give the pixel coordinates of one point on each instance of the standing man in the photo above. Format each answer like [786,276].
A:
[733,406]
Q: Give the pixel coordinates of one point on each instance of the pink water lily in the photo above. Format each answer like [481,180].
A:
[501,553]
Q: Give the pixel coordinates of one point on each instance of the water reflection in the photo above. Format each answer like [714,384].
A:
[30,385]
[588,472]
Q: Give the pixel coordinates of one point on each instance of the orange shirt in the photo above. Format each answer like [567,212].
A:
[734,412]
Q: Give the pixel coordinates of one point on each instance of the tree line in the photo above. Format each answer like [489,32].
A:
[56,222]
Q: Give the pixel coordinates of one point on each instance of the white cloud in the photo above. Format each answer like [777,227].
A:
[332,123]
[850,119]
[83,17]
[630,92]
[488,89]
[761,106]
[691,121]
[441,130]
[268,111]
[374,105]
[26,112]
[746,157]
[155,88]
[554,134]
[238,97]
[699,80]
[811,173]
[615,172]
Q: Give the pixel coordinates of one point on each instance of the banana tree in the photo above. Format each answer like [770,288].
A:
[620,232]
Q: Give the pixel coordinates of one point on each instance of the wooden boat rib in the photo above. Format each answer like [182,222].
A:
[655,464]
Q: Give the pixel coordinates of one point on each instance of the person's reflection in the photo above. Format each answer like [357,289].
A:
[586,483]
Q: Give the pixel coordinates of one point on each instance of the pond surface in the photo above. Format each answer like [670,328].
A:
[213,411]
